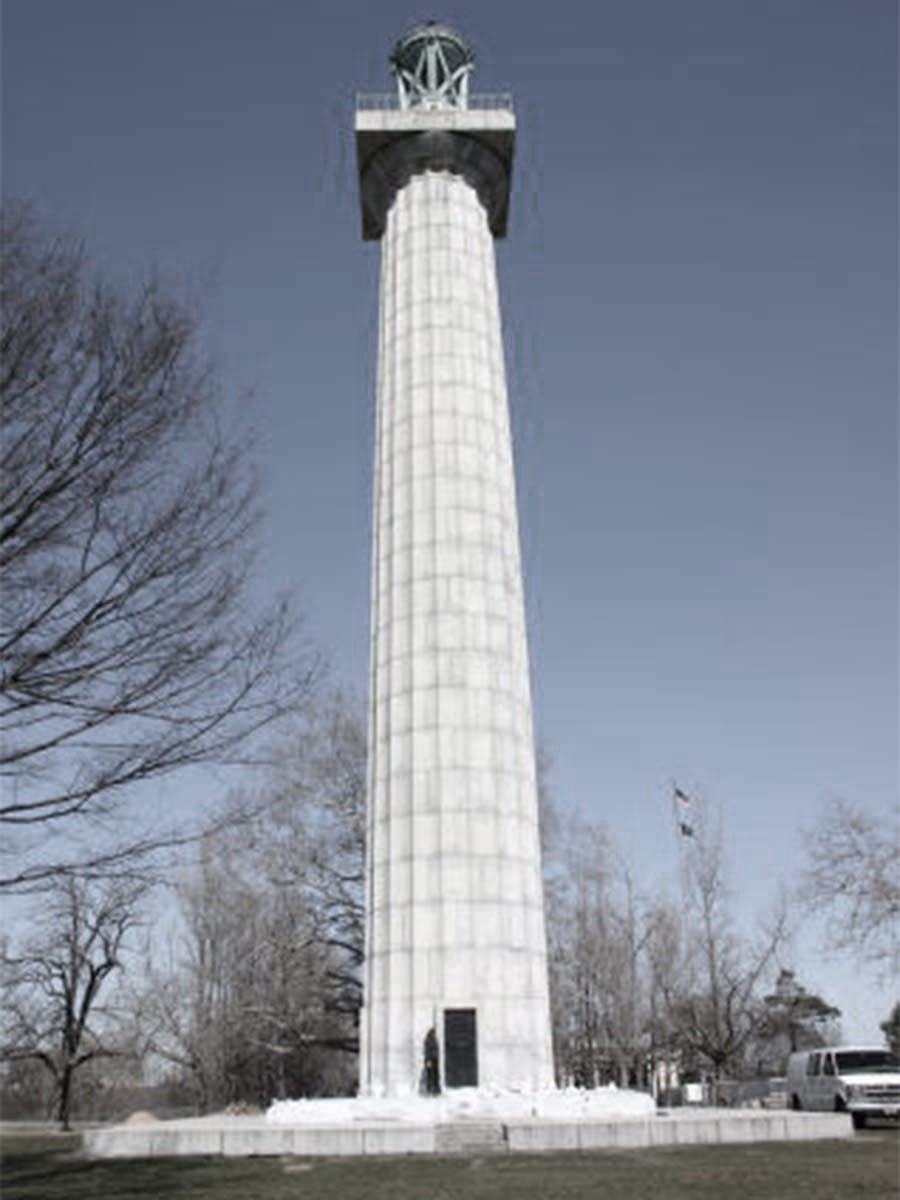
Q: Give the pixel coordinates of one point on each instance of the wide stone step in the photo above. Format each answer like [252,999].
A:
[470,1137]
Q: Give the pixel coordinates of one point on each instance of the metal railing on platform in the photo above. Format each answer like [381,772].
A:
[368,101]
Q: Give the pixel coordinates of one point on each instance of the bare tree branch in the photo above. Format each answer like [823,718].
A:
[128,647]
[853,874]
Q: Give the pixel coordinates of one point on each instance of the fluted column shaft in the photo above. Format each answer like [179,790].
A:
[453,881]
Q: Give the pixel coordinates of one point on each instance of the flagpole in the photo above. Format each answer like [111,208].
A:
[685,813]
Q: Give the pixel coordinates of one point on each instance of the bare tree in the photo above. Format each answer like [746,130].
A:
[598,934]
[575,903]
[853,874]
[128,647]
[263,994]
[52,986]
[664,953]
[241,1011]
[713,1004]
[317,810]
[639,983]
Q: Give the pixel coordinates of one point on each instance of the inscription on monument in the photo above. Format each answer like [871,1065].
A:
[460,1048]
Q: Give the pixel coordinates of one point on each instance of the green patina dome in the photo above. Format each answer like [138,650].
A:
[408,50]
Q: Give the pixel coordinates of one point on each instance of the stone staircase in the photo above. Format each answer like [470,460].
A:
[470,1137]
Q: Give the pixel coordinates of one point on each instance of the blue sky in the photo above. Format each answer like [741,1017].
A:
[699,291]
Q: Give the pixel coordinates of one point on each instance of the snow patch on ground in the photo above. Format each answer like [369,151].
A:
[564,1104]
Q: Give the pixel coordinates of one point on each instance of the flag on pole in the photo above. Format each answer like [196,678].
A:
[684,813]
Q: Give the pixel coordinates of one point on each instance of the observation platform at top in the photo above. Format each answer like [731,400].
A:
[486,102]
[394,141]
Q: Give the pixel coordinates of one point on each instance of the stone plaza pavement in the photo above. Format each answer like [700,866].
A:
[246,1136]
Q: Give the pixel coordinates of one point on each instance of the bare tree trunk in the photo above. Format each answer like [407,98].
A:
[64,1097]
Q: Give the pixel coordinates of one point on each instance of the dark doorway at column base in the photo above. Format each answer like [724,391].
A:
[460,1048]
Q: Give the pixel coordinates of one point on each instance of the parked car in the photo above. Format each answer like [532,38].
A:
[861,1080]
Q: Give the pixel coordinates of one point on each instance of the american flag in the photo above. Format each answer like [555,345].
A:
[684,813]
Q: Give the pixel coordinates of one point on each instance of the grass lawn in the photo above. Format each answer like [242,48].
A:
[51,1167]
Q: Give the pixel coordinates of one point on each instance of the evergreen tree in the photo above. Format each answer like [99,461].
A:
[795,1019]
[891,1029]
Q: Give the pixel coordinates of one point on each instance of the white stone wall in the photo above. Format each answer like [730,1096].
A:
[454,894]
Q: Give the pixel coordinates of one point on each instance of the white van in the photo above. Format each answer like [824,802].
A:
[861,1080]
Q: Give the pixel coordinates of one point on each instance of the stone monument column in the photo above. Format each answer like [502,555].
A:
[455,945]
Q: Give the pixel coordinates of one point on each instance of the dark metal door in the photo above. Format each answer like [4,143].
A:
[460,1048]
